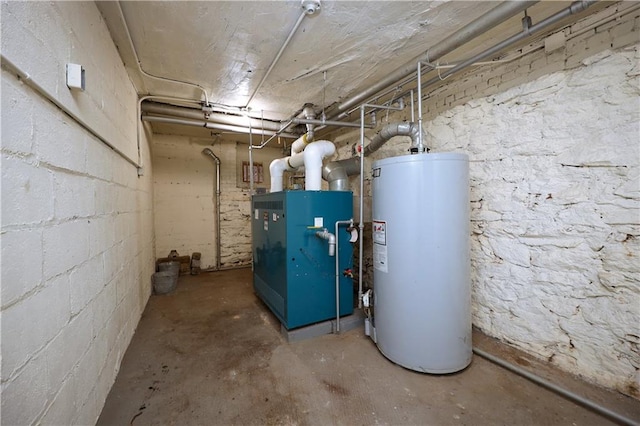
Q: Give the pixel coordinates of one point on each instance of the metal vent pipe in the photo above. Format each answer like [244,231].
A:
[484,23]
[337,172]
[207,151]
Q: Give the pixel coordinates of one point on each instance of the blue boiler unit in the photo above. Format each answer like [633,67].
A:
[293,272]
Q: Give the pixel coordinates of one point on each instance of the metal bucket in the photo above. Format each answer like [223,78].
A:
[165,281]
[173,266]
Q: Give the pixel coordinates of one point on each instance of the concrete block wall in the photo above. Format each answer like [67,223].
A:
[184,186]
[77,224]
[555,179]
[184,198]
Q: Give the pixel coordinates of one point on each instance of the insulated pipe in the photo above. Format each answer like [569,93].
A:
[198,114]
[576,7]
[206,124]
[207,151]
[276,170]
[299,144]
[313,156]
[612,415]
[495,16]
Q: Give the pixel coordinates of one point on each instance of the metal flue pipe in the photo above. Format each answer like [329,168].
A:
[497,15]
[207,151]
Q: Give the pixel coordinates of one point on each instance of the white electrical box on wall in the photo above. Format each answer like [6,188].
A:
[75,76]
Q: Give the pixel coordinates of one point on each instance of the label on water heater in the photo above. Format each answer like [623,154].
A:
[380,258]
[380,246]
[380,232]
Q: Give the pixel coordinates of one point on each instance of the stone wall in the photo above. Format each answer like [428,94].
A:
[77,221]
[553,140]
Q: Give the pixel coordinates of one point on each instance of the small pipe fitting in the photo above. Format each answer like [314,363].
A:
[326,235]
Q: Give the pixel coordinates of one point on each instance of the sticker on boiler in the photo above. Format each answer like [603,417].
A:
[380,258]
[380,232]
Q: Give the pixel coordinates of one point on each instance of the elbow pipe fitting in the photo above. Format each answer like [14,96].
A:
[337,172]
[326,235]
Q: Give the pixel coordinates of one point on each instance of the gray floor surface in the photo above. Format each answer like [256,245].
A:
[211,353]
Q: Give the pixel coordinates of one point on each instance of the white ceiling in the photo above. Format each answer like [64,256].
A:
[227,46]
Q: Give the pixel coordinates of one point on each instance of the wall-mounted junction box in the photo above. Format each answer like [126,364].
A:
[75,76]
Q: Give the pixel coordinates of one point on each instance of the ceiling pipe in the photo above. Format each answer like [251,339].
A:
[484,23]
[309,8]
[146,74]
[230,119]
[527,31]
[329,123]
[207,151]
[209,125]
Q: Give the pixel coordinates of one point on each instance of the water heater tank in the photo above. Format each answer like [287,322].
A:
[422,290]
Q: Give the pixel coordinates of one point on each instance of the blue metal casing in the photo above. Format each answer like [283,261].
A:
[293,272]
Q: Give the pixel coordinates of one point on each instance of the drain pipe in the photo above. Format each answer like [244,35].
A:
[479,26]
[207,151]
[603,411]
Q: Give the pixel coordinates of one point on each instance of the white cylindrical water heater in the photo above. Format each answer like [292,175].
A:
[421,284]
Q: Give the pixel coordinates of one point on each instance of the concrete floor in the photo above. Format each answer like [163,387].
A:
[211,353]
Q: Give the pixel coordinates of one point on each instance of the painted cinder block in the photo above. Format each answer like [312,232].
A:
[31,323]
[65,246]
[17,116]
[73,195]
[86,282]
[26,192]
[25,397]
[21,263]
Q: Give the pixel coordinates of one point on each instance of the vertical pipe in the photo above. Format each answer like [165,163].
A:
[413,118]
[209,152]
[420,144]
[360,213]
[218,238]
[250,159]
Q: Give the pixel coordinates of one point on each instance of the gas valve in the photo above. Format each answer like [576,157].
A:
[348,273]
